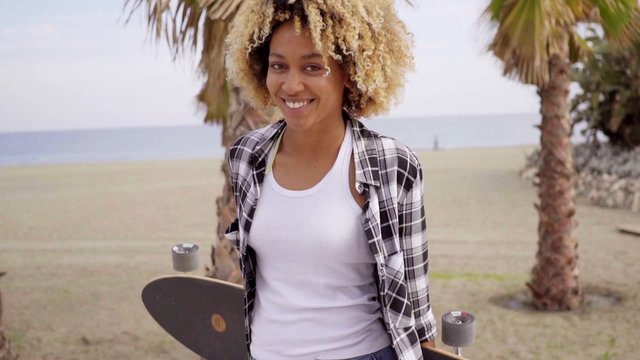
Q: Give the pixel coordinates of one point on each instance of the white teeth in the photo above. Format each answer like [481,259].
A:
[296,105]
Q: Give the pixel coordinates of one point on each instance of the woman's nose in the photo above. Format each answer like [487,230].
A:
[292,83]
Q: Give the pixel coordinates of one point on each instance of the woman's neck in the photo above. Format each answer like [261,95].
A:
[314,142]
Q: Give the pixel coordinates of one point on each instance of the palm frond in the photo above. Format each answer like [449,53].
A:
[187,25]
[494,10]
[578,47]
[620,20]
[529,32]
[215,93]
[520,41]
[220,10]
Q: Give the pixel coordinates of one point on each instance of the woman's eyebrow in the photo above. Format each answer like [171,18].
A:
[309,56]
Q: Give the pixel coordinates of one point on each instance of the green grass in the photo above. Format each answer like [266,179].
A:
[17,339]
[610,353]
[555,346]
[471,276]
[66,293]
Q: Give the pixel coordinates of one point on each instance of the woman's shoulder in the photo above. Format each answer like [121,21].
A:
[388,149]
[247,143]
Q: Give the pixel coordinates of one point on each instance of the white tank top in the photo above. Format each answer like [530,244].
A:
[316,296]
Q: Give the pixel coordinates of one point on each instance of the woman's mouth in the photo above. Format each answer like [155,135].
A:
[297,104]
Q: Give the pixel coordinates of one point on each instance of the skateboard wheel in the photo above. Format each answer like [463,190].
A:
[185,257]
[458,328]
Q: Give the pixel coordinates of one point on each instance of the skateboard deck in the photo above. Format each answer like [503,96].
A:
[207,316]
[204,314]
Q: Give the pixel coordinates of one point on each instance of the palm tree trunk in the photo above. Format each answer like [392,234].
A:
[554,284]
[224,258]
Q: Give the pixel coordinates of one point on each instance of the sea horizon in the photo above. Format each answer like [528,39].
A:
[177,142]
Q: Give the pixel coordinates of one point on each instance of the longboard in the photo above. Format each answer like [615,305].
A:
[207,316]
[204,314]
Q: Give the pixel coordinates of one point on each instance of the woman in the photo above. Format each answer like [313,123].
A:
[331,224]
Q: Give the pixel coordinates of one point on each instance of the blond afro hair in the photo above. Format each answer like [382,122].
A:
[365,37]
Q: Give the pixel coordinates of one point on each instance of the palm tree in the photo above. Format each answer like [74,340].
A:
[537,41]
[188,25]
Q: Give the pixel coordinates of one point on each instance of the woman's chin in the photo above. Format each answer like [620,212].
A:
[297,123]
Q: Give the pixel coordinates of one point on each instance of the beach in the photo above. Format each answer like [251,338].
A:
[78,243]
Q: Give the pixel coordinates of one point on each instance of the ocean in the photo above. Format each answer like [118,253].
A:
[204,141]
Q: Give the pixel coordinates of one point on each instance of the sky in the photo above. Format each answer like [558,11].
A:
[74,64]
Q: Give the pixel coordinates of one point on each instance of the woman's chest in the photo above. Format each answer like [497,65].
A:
[318,227]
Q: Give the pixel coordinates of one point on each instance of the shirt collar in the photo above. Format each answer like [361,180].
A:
[365,148]
[365,154]
[269,139]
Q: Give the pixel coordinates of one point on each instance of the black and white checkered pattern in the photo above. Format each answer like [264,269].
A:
[389,176]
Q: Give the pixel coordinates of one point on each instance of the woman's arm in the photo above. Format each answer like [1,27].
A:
[412,231]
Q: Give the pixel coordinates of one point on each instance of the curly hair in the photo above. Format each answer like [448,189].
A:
[365,37]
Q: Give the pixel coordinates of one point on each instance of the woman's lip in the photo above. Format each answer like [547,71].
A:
[294,112]
[297,100]
[307,101]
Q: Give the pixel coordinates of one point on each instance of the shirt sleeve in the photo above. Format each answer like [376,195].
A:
[412,231]
[232,232]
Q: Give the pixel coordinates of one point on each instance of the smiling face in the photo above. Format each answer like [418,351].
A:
[297,80]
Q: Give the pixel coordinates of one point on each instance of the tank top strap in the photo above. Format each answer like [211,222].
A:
[344,156]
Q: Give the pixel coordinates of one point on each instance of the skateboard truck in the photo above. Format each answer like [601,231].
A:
[458,330]
[185,257]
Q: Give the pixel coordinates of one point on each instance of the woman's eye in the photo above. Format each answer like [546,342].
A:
[313,68]
[276,66]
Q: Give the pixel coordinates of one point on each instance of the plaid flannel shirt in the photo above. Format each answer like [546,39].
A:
[389,176]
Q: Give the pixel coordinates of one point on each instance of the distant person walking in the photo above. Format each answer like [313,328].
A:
[331,221]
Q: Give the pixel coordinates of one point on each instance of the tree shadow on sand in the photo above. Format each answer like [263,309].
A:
[595,298]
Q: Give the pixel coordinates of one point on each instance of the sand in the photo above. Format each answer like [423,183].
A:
[80,241]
